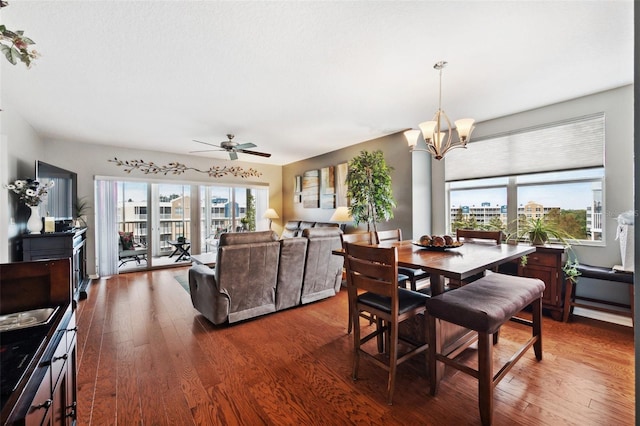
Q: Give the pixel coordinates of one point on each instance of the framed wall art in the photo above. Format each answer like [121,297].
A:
[311,189]
[341,185]
[297,189]
[327,188]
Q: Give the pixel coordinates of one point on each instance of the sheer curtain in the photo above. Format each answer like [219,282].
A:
[107,226]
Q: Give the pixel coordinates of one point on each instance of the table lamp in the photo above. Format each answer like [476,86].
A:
[343,215]
[270,214]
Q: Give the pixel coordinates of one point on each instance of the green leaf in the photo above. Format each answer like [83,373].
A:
[15,55]
[7,53]
[28,40]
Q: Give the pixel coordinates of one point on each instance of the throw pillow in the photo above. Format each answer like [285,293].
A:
[126,240]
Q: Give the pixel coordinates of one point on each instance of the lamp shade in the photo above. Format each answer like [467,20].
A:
[464,127]
[341,215]
[412,137]
[270,214]
[428,128]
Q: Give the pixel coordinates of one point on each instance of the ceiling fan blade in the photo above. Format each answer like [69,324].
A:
[233,155]
[205,150]
[246,145]
[261,154]
[206,143]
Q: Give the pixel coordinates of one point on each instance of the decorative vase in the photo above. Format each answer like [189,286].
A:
[34,224]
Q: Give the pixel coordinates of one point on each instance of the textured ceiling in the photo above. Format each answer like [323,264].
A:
[299,79]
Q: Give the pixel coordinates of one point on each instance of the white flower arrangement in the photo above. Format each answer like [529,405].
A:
[30,191]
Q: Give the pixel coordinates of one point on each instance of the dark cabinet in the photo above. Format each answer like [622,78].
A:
[42,353]
[61,245]
[546,264]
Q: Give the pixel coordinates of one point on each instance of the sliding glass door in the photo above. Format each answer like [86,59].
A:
[230,209]
[161,224]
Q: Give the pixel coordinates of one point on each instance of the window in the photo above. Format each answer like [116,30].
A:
[509,178]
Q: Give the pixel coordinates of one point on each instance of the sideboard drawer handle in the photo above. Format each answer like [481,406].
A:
[57,358]
[44,405]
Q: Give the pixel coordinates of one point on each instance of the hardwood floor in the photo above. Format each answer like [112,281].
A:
[146,357]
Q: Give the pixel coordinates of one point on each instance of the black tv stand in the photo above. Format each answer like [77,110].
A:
[61,245]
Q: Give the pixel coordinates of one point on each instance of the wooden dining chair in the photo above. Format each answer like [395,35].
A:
[367,238]
[479,236]
[372,276]
[361,238]
[414,275]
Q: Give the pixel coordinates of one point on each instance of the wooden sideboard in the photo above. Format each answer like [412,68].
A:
[61,245]
[546,264]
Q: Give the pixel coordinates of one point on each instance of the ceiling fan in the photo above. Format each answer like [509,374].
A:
[233,148]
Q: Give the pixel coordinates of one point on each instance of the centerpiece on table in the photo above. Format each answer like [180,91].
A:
[32,193]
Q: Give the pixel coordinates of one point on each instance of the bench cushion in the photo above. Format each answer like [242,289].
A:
[607,274]
[484,305]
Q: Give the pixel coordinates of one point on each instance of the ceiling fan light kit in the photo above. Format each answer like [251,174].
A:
[232,147]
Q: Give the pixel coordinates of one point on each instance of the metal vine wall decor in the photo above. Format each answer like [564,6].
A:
[176,168]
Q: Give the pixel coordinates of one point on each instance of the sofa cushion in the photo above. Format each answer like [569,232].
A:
[306,225]
[326,225]
[293,252]
[248,273]
[291,229]
[233,238]
[323,269]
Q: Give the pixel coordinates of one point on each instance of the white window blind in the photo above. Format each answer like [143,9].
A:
[567,145]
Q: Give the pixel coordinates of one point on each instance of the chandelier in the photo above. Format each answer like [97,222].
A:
[437,133]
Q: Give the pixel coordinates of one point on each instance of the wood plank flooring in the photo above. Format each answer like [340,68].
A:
[145,357]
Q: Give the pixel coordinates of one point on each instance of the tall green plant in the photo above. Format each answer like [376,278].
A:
[369,189]
[249,219]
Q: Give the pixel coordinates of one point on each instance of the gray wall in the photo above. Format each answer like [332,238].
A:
[396,154]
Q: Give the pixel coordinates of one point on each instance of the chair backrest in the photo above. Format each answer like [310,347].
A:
[359,237]
[390,235]
[478,236]
[372,269]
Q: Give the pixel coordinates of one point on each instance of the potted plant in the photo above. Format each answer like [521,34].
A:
[81,208]
[369,189]
[539,231]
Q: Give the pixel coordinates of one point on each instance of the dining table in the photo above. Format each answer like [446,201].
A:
[457,263]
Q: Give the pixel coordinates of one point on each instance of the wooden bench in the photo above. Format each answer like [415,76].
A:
[598,273]
[483,306]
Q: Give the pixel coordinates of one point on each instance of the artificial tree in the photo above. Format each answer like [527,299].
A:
[369,189]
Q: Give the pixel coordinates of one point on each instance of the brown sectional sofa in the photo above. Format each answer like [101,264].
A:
[257,274]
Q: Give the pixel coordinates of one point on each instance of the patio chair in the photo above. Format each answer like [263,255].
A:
[129,251]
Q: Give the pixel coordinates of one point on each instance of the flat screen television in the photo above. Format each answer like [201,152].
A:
[61,198]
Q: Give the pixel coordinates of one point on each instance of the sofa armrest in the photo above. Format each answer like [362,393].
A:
[206,297]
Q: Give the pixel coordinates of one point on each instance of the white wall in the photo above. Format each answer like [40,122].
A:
[19,149]
[88,161]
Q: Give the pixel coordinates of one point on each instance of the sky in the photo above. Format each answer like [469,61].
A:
[573,196]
